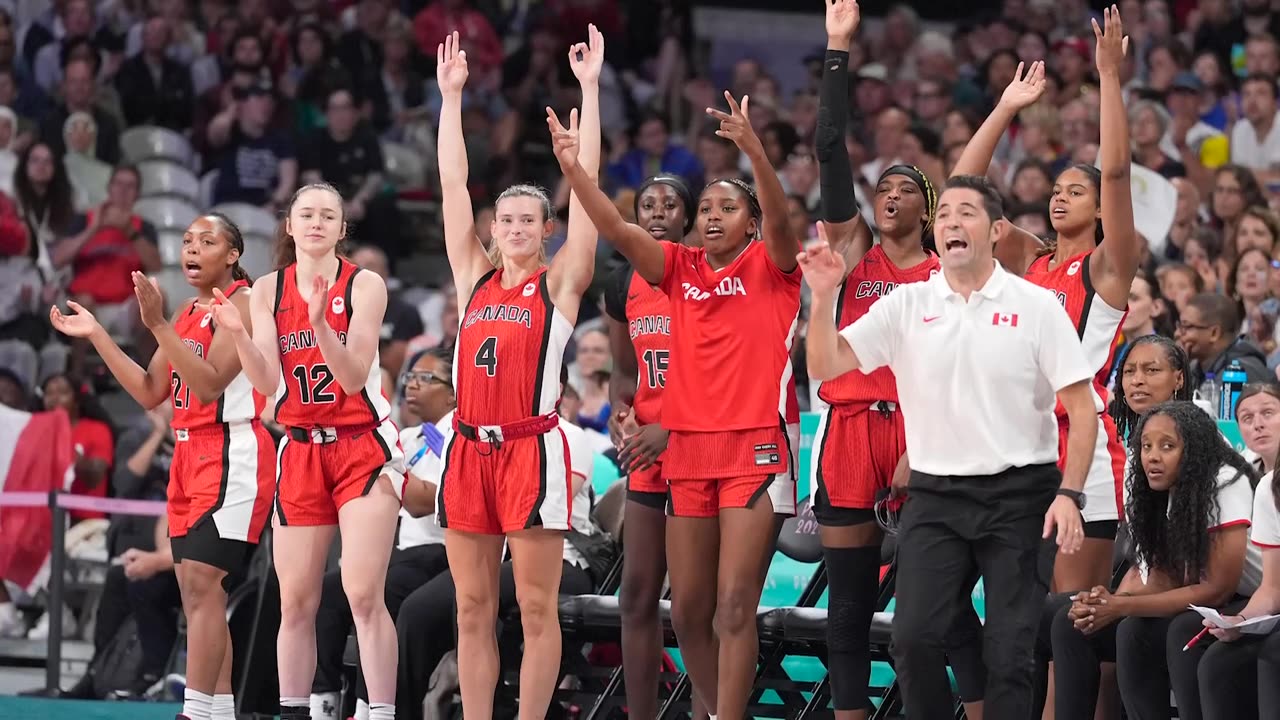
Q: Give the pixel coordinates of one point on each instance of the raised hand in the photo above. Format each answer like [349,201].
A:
[564,140]
[226,316]
[736,124]
[318,302]
[81,325]
[150,300]
[843,17]
[1026,88]
[587,58]
[451,64]
[1112,42]
[823,269]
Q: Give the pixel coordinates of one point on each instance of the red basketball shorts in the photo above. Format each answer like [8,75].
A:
[520,484]
[648,480]
[855,451]
[1104,485]
[224,472]
[318,478]
[711,471]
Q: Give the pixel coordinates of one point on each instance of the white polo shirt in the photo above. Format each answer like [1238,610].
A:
[1265,532]
[422,464]
[977,379]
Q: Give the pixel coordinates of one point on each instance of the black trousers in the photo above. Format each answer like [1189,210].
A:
[155,604]
[1149,662]
[426,626]
[408,570]
[1240,680]
[950,527]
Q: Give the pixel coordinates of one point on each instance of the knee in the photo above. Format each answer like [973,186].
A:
[848,625]
[298,605]
[692,616]
[476,614]
[1062,629]
[538,611]
[638,600]
[735,610]
[365,599]
[202,584]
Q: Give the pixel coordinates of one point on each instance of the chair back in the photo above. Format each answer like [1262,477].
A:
[404,166]
[162,178]
[170,245]
[251,219]
[799,538]
[167,213]
[149,142]
[258,259]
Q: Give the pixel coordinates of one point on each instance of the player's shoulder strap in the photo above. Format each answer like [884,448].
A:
[616,291]
[281,277]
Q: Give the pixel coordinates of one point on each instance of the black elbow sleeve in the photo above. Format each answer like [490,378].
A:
[835,173]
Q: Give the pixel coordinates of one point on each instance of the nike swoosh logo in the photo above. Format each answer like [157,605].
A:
[633,296]
[931,319]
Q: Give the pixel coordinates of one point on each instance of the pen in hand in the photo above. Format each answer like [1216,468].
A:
[1191,643]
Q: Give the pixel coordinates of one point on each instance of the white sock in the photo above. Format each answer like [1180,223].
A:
[382,711]
[710,716]
[324,706]
[224,706]
[362,710]
[196,705]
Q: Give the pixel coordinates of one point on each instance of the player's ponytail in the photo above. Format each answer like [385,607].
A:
[236,240]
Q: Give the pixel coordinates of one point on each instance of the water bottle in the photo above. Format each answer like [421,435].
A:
[1207,394]
[1233,382]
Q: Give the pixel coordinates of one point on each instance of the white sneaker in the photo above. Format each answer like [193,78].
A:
[12,624]
[41,630]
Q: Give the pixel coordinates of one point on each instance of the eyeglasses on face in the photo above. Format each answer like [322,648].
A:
[423,378]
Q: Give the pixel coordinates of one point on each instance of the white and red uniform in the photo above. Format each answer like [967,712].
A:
[1098,324]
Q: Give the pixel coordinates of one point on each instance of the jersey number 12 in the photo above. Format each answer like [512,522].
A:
[313,384]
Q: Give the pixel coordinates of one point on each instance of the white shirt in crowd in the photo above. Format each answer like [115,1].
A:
[1253,152]
[1265,532]
[977,380]
[581,464]
[1235,507]
[421,531]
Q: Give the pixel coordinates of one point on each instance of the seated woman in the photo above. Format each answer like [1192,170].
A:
[1190,498]
[1239,675]
[1258,417]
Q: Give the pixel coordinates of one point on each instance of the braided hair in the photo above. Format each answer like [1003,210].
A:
[753,200]
[1125,417]
[1170,528]
[236,240]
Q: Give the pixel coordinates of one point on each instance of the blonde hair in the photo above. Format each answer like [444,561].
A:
[522,190]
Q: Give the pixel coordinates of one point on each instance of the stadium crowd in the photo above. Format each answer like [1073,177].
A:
[268,96]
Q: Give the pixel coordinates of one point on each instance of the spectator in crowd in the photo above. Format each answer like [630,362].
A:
[90,430]
[1255,140]
[154,88]
[1190,500]
[13,392]
[44,201]
[1200,146]
[361,48]
[484,48]
[78,91]
[19,91]
[1235,188]
[653,153]
[1259,228]
[1209,330]
[89,176]
[1150,123]
[401,321]
[1186,216]
[78,23]
[257,164]
[183,40]
[314,75]
[400,110]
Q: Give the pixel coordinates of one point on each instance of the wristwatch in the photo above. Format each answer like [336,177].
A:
[1076,496]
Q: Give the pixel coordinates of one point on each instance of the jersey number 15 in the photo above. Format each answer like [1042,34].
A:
[655,367]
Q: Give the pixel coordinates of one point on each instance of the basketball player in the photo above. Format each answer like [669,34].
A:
[728,400]
[316,324]
[221,479]
[639,320]
[506,464]
[1090,278]
[861,444]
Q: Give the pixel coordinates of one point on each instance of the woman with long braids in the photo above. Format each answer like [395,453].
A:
[223,472]
[1091,278]
[1240,674]
[729,401]
[639,321]
[861,442]
[1153,370]
[1189,507]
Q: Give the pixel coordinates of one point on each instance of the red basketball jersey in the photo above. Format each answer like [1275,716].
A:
[310,395]
[238,402]
[871,279]
[1096,323]
[510,347]
[731,335]
[649,325]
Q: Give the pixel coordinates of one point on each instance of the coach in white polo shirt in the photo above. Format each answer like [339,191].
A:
[978,355]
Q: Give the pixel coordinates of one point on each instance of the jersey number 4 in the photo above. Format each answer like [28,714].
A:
[487,356]
[313,384]
[655,367]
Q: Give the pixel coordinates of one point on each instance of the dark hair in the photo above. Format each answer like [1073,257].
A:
[1163,323]
[236,240]
[87,404]
[753,201]
[1230,280]
[1218,310]
[55,204]
[1095,178]
[991,200]
[6,374]
[1126,419]
[1170,529]
[681,189]
[1261,79]
[310,26]
[71,45]
[286,248]
[127,168]
[1249,189]
[788,138]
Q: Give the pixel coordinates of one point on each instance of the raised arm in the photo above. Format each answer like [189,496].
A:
[148,387]
[779,240]
[634,242]
[848,232]
[259,351]
[572,268]
[1116,261]
[467,257]
[827,354]
[206,377]
[352,361]
[1023,92]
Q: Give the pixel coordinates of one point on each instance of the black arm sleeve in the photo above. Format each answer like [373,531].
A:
[835,174]
[615,293]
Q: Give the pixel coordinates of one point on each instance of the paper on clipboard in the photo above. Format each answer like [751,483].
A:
[1261,625]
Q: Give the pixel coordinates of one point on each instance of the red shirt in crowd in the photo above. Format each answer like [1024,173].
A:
[478,38]
[102,267]
[92,439]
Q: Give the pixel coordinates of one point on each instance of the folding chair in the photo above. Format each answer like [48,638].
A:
[168,178]
[167,213]
[148,142]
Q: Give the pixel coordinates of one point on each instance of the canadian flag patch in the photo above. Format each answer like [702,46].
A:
[1005,319]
